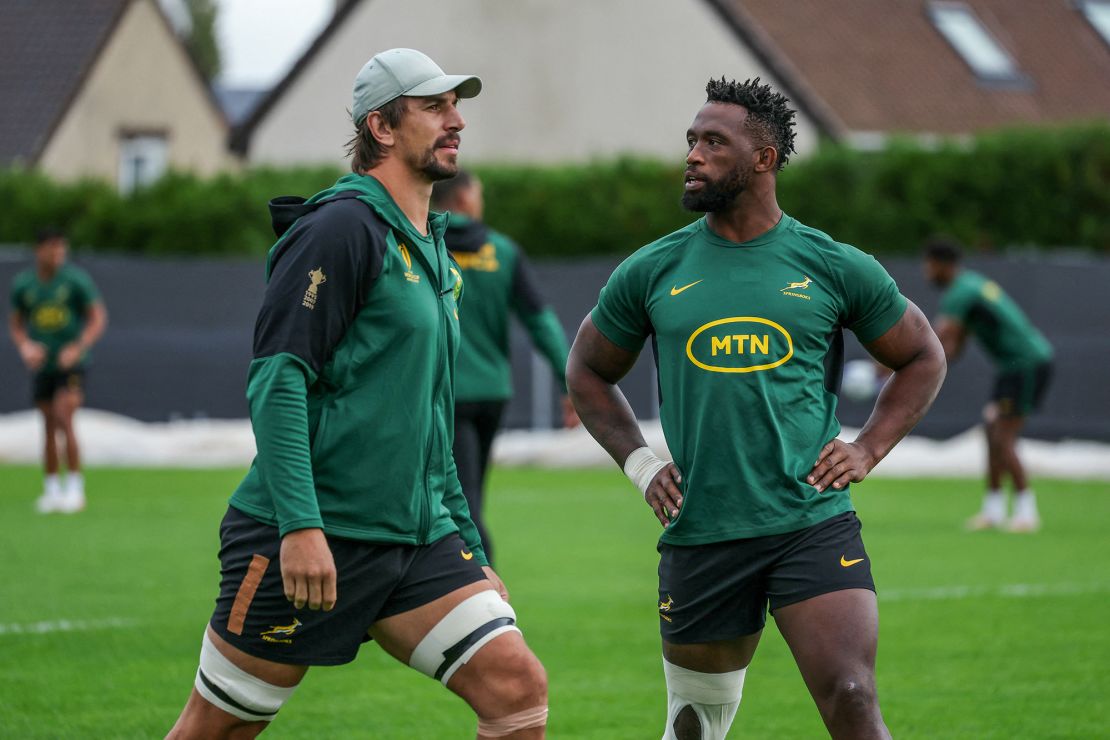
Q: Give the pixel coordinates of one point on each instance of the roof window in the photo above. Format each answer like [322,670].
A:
[973,42]
[1097,13]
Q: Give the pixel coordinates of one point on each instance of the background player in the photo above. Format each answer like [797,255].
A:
[57,316]
[745,308]
[499,281]
[974,304]
[352,506]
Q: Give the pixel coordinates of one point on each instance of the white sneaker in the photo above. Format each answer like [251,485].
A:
[51,501]
[73,501]
[981,522]
[1024,524]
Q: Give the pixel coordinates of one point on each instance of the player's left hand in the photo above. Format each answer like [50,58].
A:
[497,582]
[69,355]
[839,464]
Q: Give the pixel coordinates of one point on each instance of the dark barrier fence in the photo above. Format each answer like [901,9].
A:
[179,340]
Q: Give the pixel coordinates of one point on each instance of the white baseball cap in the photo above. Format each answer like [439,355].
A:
[398,72]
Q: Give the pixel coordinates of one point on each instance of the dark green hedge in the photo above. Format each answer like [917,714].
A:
[1017,187]
[1040,187]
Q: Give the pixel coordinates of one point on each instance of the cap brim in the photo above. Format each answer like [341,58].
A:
[467,86]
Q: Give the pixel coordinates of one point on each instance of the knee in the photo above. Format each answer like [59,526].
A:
[520,680]
[851,696]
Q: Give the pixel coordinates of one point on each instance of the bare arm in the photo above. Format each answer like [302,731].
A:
[31,352]
[594,367]
[913,352]
[96,320]
[952,335]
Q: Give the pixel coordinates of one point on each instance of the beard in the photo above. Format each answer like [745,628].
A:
[432,168]
[717,195]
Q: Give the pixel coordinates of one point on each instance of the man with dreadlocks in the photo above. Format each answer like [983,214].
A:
[746,308]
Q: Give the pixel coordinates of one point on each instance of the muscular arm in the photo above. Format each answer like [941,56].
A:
[914,354]
[96,321]
[32,353]
[594,367]
[951,334]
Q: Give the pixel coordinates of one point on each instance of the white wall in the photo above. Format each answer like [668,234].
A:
[564,79]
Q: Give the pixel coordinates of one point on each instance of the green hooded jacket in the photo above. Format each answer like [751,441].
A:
[351,387]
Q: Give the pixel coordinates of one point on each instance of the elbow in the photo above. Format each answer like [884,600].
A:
[938,364]
[576,382]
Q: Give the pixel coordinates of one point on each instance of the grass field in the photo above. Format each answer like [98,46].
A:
[982,636]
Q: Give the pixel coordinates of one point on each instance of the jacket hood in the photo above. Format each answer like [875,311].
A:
[285,210]
[370,191]
[465,234]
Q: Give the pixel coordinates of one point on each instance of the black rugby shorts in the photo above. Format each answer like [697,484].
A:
[722,590]
[375,581]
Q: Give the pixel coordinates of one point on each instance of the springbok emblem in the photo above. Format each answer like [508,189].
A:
[799,286]
[274,634]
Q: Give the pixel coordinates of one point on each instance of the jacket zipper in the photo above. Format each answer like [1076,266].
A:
[426,501]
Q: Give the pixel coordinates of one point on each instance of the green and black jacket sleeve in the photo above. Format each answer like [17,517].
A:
[539,319]
[296,334]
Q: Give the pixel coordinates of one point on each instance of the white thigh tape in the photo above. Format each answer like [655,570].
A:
[225,685]
[461,634]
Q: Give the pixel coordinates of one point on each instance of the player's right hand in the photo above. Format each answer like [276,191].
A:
[663,494]
[33,354]
[308,569]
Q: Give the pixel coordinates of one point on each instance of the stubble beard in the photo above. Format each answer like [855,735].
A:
[433,168]
[717,195]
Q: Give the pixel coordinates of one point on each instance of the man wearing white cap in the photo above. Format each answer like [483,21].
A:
[351,524]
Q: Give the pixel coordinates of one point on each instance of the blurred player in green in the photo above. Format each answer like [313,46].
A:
[746,309]
[57,316]
[499,282]
[974,304]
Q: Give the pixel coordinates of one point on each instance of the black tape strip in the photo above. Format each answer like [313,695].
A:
[453,653]
[224,697]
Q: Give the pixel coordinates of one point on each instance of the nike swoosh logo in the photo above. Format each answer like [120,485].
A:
[849,563]
[676,290]
[466,555]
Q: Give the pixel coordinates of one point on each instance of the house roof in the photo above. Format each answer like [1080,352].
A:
[881,65]
[47,50]
[241,134]
[861,66]
[47,47]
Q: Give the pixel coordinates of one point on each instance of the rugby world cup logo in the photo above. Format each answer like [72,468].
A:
[740,344]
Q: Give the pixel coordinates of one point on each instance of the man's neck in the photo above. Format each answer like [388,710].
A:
[410,191]
[46,273]
[751,215]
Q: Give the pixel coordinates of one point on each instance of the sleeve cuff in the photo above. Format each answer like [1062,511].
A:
[881,324]
[619,337]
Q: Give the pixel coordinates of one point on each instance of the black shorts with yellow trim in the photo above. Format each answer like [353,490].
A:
[375,581]
[1020,391]
[722,590]
[45,384]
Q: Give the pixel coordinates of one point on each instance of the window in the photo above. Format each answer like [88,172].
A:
[974,43]
[142,160]
[1097,13]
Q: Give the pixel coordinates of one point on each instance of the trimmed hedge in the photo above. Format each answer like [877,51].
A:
[1037,187]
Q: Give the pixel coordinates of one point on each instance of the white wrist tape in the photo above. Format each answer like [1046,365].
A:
[642,466]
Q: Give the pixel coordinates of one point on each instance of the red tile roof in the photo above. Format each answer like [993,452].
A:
[881,65]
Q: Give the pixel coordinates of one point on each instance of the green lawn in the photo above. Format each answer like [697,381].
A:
[983,635]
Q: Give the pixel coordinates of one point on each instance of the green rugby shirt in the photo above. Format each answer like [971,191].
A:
[995,319]
[749,346]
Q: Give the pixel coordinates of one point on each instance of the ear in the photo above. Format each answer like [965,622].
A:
[766,159]
[379,129]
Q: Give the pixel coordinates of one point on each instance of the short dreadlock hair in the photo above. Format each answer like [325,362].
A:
[770,122]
